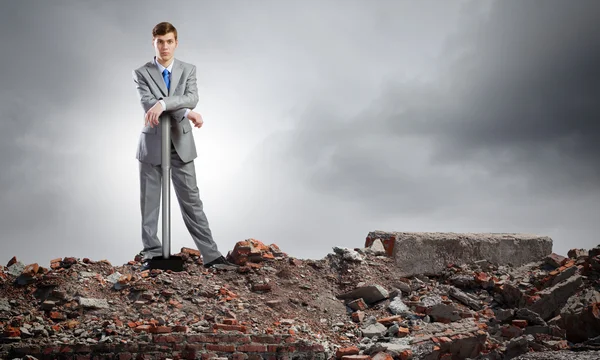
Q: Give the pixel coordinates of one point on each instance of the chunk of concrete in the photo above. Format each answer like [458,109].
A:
[560,355]
[93,303]
[553,299]
[429,253]
[373,330]
[369,293]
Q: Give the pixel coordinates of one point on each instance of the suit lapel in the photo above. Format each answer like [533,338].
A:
[157,77]
[177,70]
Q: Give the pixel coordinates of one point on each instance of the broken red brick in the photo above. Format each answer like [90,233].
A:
[175,303]
[142,328]
[261,287]
[403,332]
[31,269]
[511,331]
[358,304]
[240,328]
[180,328]
[268,256]
[554,260]
[12,332]
[481,277]
[189,251]
[161,330]
[388,321]
[406,355]
[12,261]
[220,348]
[382,356]
[71,324]
[230,321]
[252,348]
[520,323]
[358,316]
[351,350]
[124,279]
[531,299]
[55,315]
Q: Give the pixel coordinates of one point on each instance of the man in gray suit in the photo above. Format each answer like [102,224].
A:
[167,88]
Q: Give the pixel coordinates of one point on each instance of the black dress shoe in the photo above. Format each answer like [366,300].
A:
[145,265]
[221,263]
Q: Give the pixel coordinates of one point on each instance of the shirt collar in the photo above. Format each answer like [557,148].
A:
[162,68]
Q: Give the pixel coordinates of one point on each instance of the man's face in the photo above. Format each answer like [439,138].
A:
[164,46]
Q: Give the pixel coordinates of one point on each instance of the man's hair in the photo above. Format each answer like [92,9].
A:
[164,28]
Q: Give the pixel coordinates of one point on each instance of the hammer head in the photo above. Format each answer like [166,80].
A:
[173,263]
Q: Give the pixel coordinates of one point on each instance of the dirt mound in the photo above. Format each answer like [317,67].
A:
[353,304]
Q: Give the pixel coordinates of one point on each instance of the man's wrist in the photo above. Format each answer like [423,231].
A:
[162,102]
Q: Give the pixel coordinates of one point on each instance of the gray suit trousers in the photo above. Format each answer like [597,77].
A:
[183,178]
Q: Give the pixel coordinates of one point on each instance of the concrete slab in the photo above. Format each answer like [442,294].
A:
[430,252]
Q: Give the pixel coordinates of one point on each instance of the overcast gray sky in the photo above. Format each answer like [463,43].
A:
[324,120]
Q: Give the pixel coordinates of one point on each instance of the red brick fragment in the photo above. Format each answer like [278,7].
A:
[142,328]
[252,348]
[12,332]
[382,356]
[261,287]
[403,332]
[406,355]
[388,321]
[161,330]
[358,316]
[351,350]
[55,315]
[220,347]
[240,328]
[189,251]
[31,270]
[520,323]
[358,304]
[511,331]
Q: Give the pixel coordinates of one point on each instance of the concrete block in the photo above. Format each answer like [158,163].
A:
[430,252]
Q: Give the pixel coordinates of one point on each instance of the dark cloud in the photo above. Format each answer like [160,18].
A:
[520,99]
[504,137]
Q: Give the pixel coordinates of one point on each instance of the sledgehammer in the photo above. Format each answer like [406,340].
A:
[166,261]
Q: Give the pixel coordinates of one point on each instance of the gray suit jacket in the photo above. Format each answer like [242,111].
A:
[182,95]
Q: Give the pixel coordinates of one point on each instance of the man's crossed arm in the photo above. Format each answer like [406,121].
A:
[178,105]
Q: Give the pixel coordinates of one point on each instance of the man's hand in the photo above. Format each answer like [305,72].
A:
[153,114]
[195,118]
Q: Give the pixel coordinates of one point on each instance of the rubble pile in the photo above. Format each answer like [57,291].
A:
[352,304]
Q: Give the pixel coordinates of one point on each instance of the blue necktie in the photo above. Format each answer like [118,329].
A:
[166,77]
